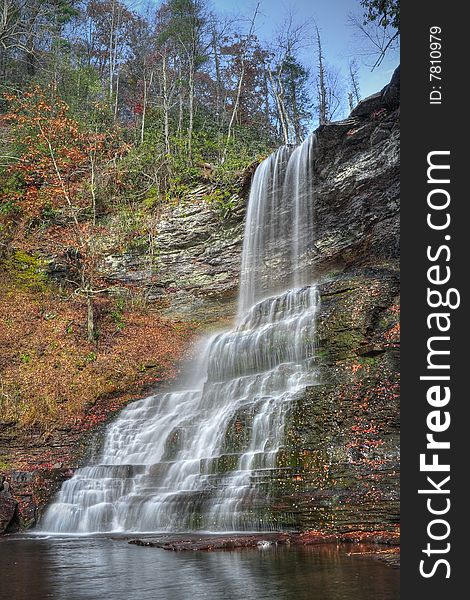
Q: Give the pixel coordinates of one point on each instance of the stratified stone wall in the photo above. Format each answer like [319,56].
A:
[342,437]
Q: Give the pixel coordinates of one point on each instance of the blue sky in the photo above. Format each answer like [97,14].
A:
[339,39]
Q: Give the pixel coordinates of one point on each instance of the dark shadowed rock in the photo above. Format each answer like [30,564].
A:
[338,468]
[368,105]
[388,97]
[391,92]
[211,542]
[8,513]
[342,435]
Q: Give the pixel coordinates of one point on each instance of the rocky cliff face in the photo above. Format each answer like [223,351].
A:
[342,438]
[339,466]
[197,260]
[339,470]
[357,206]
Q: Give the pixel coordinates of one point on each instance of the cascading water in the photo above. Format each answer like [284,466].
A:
[202,458]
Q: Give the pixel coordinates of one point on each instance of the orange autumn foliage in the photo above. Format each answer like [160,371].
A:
[54,152]
[51,377]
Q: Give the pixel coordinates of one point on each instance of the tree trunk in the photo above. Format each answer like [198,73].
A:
[115,60]
[322,93]
[90,322]
[93,184]
[111,54]
[166,104]
[354,94]
[296,117]
[116,98]
[218,77]
[350,101]
[191,108]
[144,108]
[280,109]
[240,84]
[181,104]
[267,112]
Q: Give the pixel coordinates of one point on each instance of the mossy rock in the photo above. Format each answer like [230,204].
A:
[26,270]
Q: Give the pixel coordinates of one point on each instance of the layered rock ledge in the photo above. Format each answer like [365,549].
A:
[383,546]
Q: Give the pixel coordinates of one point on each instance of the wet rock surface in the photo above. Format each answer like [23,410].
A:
[215,542]
[381,546]
[337,469]
[342,436]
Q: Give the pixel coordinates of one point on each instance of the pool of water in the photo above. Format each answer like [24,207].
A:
[34,568]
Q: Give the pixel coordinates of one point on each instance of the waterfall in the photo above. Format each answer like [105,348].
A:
[204,458]
[279,233]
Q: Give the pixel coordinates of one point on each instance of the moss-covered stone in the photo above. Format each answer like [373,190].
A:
[341,450]
[26,270]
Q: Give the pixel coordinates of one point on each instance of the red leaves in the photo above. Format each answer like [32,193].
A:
[56,151]
[379,113]
[392,336]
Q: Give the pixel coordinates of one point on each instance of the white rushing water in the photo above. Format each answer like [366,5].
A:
[202,458]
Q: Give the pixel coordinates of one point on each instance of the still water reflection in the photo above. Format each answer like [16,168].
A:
[95,568]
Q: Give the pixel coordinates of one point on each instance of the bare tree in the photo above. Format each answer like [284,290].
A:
[167,92]
[335,92]
[216,54]
[375,39]
[26,28]
[148,79]
[13,26]
[186,27]
[289,77]
[354,94]
[329,86]
[278,92]
[240,80]
[322,95]
[219,29]
[83,257]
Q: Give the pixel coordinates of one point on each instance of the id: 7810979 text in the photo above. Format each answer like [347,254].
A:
[435,64]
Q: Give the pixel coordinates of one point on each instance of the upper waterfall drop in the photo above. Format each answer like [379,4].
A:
[204,458]
[279,235]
